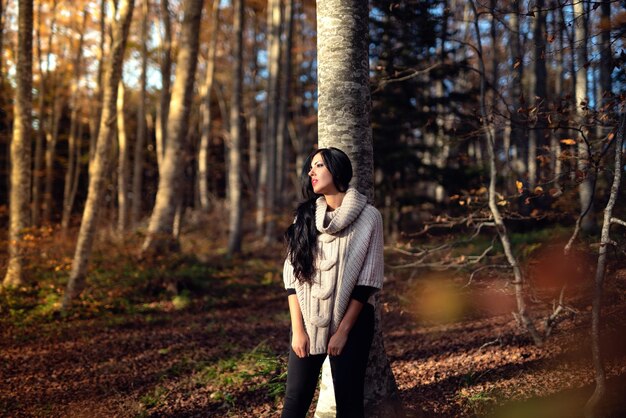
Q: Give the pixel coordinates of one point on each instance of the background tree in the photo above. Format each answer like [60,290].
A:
[168,197]
[19,199]
[122,17]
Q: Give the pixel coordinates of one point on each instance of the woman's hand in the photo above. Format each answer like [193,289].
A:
[300,343]
[337,342]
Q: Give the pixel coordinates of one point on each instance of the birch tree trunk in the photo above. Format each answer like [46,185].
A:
[98,169]
[205,112]
[234,152]
[19,195]
[161,227]
[343,112]
[123,162]
[73,140]
[140,141]
[166,70]
[605,243]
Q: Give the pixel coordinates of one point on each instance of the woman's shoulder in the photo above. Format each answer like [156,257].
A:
[370,214]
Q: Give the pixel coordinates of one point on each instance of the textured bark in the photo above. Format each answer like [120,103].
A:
[343,112]
[343,85]
[19,195]
[161,227]
[123,163]
[585,189]
[98,169]
[234,152]
[73,141]
[205,112]
[140,141]
[605,242]
[166,70]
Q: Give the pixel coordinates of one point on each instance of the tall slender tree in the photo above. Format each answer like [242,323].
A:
[140,141]
[166,70]
[234,152]
[98,169]
[19,197]
[161,227]
[123,162]
[343,89]
[205,111]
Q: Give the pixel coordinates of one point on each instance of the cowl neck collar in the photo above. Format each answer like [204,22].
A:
[351,206]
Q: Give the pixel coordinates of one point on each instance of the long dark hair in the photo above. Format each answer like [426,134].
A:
[301,236]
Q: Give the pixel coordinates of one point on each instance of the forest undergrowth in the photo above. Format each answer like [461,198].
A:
[197,334]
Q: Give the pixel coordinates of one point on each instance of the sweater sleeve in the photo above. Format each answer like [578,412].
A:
[373,267]
[288,276]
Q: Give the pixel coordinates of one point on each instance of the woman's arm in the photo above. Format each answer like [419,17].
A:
[339,338]
[299,338]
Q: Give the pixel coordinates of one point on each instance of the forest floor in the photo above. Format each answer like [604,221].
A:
[199,335]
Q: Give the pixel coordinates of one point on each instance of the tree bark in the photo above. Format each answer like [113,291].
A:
[19,195]
[98,169]
[166,70]
[274,20]
[536,139]
[343,112]
[140,141]
[123,163]
[234,152]
[283,104]
[73,140]
[605,242]
[161,227]
[585,189]
[38,171]
[205,112]
[98,96]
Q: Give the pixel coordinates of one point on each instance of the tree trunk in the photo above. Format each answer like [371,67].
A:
[585,189]
[517,96]
[123,163]
[19,197]
[605,242]
[493,207]
[536,138]
[97,172]
[205,112]
[166,70]
[343,89]
[234,152]
[274,20]
[38,171]
[160,229]
[140,141]
[73,140]
[283,107]
[97,109]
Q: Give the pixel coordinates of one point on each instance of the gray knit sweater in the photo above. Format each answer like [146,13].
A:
[350,253]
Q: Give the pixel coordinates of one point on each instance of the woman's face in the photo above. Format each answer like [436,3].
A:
[321,178]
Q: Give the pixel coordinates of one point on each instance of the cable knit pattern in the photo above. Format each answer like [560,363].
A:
[350,253]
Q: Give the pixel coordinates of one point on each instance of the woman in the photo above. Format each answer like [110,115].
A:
[334,266]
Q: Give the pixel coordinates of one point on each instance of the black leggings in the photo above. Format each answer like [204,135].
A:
[348,370]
